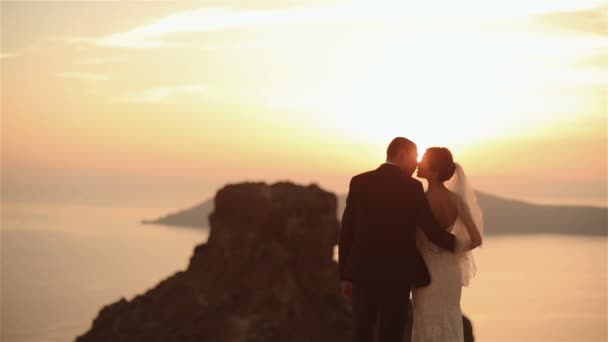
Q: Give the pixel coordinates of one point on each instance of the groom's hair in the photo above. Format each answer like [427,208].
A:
[397,145]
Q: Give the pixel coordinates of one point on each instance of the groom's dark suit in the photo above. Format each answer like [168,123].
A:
[378,248]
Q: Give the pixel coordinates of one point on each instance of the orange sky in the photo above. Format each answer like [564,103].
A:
[138,103]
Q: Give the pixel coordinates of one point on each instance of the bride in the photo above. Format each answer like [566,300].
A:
[437,313]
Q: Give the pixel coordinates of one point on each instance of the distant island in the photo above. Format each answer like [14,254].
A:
[196,216]
[501,216]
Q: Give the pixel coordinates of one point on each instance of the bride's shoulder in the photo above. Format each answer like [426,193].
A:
[454,196]
[457,200]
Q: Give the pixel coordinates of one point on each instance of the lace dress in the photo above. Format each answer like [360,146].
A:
[437,313]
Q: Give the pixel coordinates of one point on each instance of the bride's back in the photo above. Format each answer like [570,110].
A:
[444,205]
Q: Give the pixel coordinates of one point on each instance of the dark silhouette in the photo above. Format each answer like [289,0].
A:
[266,274]
[467,326]
[379,261]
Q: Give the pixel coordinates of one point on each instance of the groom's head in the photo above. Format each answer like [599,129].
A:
[404,153]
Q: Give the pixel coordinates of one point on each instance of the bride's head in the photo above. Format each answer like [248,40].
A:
[437,164]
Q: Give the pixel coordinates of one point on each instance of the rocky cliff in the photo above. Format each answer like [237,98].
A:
[265,274]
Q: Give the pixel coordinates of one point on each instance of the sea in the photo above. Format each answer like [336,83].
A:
[60,264]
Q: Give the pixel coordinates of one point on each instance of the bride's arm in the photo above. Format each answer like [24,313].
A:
[427,222]
[474,234]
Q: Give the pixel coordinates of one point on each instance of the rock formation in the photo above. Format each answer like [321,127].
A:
[265,274]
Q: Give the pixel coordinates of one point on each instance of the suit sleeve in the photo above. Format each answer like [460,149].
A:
[347,232]
[426,221]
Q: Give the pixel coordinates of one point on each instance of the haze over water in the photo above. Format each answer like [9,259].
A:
[62,265]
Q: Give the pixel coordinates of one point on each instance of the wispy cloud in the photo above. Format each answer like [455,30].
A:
[83,76]
[203,20]
[256,44]
[161,33]
[101,60]
[593,20]
[163,94]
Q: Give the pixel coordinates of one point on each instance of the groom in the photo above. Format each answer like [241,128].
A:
[379,262]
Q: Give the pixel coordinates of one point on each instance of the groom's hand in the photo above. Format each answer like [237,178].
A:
[347,289]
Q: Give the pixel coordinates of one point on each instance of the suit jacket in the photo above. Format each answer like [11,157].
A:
[378,233]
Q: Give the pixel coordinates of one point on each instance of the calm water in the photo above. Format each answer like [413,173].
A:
[61,265]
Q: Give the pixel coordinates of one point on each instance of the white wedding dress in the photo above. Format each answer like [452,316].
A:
[437,313]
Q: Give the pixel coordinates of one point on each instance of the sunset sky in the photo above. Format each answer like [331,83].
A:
[162,102]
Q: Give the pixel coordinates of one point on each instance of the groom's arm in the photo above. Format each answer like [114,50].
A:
[347,232]
[426,221]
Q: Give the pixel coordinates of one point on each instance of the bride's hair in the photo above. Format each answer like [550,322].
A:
[441,161]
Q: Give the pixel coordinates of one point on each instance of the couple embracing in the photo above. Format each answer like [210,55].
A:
[396,239]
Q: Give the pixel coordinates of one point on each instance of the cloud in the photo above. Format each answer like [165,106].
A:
[163,94]
[101,60]
[159,33]
[83,76]
[594,20]
[256,44]
[203,20]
